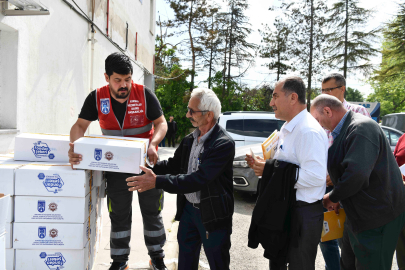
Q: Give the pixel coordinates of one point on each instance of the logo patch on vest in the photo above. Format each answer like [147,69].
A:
[136,120]
[105,105]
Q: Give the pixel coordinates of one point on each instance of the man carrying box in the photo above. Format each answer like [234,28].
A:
[124,108]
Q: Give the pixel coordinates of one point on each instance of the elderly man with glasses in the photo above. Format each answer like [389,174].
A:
[334,84]
[201,174]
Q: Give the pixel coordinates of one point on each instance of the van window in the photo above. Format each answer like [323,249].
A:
[253,127]
[259,127]
[235,126]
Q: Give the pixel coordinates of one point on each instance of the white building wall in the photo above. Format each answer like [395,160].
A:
[47,62]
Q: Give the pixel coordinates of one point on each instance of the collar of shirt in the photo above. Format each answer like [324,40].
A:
[297,119]
[337,129]
[346,104]
[197,133]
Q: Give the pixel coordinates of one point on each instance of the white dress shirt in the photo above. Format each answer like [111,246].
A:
[303,141]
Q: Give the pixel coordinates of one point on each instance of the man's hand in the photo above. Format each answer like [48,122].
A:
[257,165]
[142,182]
[328,204]
[74,158]
[329,181]
[152,154]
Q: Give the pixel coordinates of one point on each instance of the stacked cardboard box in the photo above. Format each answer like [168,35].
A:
[55,209]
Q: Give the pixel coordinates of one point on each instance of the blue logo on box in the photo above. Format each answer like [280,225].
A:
[53,183]
[105,105]
[41,150]
[54,261]
[41,232]
[51,156]
[41,206]
[98,153]
[42,255]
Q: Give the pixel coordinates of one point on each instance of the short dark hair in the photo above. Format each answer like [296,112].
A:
[118,63]
[339,79]
[294,84]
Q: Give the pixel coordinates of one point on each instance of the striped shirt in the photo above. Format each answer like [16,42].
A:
[339,126]
[351,107]
[194,161]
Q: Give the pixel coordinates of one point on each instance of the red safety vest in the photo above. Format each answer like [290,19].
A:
[135,122]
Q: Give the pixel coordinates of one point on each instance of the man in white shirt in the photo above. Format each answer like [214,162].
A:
[302,141]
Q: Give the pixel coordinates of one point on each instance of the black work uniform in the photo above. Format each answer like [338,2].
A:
[119,199]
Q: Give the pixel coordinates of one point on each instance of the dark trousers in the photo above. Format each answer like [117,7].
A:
[310,221]
[191,234]
[170,139]
[119,201]
[401,250]
[162,143]
[371,249]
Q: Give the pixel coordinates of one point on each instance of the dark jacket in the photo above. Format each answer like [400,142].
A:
[171,127]
[214,178]
[271,218]
[365,175]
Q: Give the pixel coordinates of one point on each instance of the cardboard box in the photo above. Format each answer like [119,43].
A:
[50,235]
[98,178]
[9,235]
[41,147]
[10,259]
[57,180]
[4,211]
[55,209]
[10,216]
[114,154]
[54,259]
[11,161]
[2,251]
[7,178]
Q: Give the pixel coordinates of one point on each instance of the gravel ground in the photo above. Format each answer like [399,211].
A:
[243,257]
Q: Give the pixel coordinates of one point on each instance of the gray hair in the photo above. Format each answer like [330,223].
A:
[208,101]
[339,79]
[329,101]
[294,84]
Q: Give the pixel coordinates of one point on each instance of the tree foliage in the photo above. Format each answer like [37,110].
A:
[349,47]
[354,95]
[275,47]
[306,22]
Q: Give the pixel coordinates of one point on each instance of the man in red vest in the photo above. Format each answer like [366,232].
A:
[124,108]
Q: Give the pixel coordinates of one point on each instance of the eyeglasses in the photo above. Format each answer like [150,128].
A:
[191,111]
[327,90]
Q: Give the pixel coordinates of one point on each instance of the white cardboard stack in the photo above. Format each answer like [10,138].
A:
[56,209]
[4,209]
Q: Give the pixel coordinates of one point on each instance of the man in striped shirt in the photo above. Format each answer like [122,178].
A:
[334,84]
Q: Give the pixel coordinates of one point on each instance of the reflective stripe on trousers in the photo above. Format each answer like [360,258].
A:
[119,201]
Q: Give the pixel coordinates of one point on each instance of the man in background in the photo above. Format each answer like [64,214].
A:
[171,131]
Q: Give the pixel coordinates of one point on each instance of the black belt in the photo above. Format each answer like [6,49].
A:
[302,204]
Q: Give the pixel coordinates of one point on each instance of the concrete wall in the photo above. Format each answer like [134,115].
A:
[48,65]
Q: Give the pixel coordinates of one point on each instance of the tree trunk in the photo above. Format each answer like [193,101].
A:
[311,49]
[209,75]
[346,40]
[192,46]
[224,71]
[278,60]
[230,49]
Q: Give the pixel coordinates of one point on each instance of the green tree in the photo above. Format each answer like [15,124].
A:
[393,60]
[190,15]
[258,99]
[275,47]
[390,93]
[306,20]
[349,47]
[354,95]
[231,102]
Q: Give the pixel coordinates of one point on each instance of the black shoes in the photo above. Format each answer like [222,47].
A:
[119,266]
[157,264]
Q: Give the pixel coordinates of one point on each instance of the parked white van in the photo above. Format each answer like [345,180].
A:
[249,127]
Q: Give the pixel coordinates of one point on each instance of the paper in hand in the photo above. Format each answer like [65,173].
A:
[252,154]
